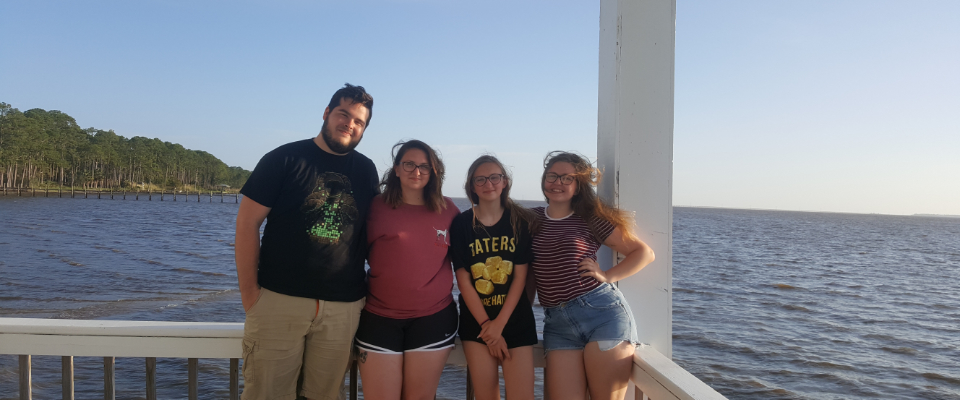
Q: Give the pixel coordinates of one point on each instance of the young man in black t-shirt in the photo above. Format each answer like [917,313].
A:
[302,284]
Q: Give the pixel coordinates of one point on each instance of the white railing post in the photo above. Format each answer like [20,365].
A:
[193,370]
[66,377]
[234,379]
[151,378]
[354,380]
[470,393]
[635,146]
[109,386]
[25,386]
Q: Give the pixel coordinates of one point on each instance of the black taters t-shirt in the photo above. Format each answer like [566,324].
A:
[489,254]
[314,244]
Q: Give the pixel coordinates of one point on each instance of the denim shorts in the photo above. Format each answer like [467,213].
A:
[601,315]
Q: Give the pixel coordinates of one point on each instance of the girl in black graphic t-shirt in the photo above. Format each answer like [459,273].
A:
[490,248]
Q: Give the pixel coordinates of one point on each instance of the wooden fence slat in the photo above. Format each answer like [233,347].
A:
[66,377]
[470,394]
[234,379]
[25,387]
[151,378]
[192,371]
[354,382]
[109,386]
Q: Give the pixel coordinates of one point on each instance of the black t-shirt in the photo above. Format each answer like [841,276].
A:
[314,244]
[489,253]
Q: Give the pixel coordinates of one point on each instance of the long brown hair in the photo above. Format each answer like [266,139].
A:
[517,212]
[432,195]
[586,203]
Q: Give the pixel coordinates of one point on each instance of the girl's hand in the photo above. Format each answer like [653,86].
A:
[492,330]
[589,267]
[499,350]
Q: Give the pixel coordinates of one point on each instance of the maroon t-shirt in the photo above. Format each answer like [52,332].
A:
[410,274]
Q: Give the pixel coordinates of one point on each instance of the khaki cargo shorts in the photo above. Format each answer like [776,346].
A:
[283,334]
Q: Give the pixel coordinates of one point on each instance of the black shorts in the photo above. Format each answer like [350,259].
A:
[521,328]
[394,336]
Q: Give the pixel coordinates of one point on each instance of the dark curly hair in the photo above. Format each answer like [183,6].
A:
[356,94]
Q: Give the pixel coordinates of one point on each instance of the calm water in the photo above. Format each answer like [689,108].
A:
[766,304]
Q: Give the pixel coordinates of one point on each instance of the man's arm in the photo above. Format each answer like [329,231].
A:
[247,249]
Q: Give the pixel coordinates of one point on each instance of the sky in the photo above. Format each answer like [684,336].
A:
[841,106]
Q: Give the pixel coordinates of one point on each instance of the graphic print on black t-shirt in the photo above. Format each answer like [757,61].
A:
[330,208]
[489,254]
[313,244]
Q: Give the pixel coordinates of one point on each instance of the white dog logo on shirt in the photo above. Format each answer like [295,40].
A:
[442,236]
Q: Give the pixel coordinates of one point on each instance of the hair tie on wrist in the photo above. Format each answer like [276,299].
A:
[487,320]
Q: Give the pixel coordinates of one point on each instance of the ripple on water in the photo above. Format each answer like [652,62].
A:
[785,286]
[207,273]
[791,307]
[899,350]
[941,378]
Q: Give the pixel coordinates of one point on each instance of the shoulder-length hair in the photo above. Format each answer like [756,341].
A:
[432,195]
[517,212]
[586,203]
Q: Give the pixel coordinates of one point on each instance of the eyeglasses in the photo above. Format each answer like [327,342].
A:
[564,179]
[409,166]
[482,180]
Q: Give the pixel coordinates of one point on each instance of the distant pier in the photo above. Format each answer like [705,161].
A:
[122,194]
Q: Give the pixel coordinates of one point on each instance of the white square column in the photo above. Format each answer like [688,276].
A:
[635,147]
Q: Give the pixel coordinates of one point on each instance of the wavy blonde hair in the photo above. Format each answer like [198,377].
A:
[586,203]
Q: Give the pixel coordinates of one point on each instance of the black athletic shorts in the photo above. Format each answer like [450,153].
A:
[520,330]
[394,336]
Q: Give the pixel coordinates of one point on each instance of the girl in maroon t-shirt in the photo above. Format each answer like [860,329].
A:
[588,325]
[408,326]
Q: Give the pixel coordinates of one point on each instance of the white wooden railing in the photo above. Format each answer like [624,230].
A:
[656,376]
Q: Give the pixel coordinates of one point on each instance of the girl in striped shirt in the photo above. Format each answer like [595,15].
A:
[589,333]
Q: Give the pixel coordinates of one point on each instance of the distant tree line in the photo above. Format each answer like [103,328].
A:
[40,147]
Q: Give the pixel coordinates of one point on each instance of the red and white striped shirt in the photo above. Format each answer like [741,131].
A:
[558,248]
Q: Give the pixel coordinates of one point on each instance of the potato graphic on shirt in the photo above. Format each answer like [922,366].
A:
[477,270]
[499,277]
[493,263]
[506,267]
[488,271]
[483,286]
